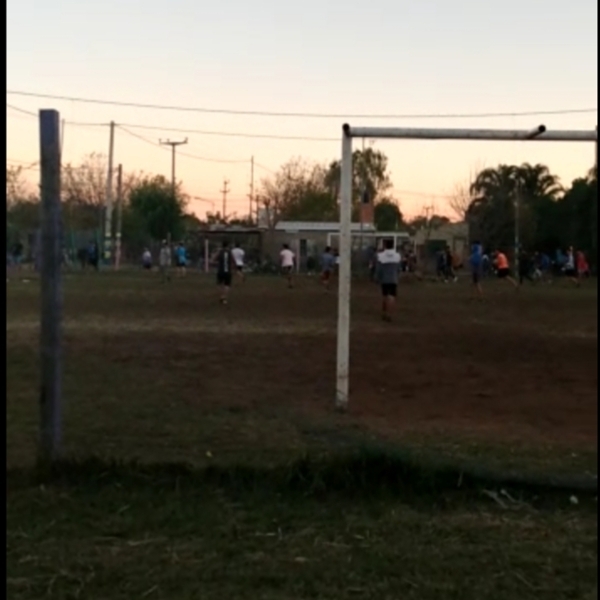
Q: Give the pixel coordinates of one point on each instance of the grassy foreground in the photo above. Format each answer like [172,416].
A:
[344,529]
[253,519]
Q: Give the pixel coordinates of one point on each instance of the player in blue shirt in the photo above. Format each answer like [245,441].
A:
[327,266]
[180,259]
[476,265]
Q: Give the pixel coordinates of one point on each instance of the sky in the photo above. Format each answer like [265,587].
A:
[418,62]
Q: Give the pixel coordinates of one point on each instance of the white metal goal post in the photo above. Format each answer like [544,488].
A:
[348,133]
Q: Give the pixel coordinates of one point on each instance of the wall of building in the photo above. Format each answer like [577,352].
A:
[454,235]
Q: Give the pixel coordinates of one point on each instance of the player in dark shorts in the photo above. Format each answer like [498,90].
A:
[476,264]
[388,270]
[503,268]
[327,266]
[225,268]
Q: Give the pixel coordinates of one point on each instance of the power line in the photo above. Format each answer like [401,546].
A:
[21,110]
[269,136]
[298,114]
[35,115]
[193,131]
[203,158]
[264,168]
[35,165]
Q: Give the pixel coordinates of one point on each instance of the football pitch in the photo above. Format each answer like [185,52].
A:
[163,375]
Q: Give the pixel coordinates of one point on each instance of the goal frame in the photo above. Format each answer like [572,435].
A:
[345,232]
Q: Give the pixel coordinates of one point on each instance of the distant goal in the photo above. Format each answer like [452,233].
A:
[346,237]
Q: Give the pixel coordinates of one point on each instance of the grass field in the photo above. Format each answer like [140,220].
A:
[283,497]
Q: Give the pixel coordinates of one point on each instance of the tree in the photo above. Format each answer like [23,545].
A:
[84,189]
[461,198]
[299,192]
[151,203]
[369,174]
[85,184]
[387,215]
[191,223]
[15,186]
[495,192]
[22,208]
[575,218]
[428,222]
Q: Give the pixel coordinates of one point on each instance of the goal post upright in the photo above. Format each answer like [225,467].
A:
[344,274]
[539,133]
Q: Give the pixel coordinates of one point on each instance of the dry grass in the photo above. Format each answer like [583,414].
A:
[162,374]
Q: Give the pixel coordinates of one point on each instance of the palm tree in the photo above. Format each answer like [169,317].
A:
[494,193]
[536,182]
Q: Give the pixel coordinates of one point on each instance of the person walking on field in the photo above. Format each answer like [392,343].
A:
[147,260]
[287,258]
[238,257]
[225,266]
[164,261]
[583,269]
[388,271]
[525,268]
[450,274]
[327,267]
[503,268]
[476,264]
[181,259]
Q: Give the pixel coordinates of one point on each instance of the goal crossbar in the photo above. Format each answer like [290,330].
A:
[538,133]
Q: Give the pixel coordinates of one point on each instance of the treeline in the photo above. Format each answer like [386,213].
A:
[550,216]
[150,210]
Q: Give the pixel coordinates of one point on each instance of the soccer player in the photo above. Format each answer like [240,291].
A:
[525,268]
[450,274]
[238,257]
[327,266]
[225,266]
[180,259]
[147,259]
[287,264]
[94,255]
[17,255]
[164,261]
[583,269]
[545,267]
[571,267]
[476,264]
[503,268]
[388,270]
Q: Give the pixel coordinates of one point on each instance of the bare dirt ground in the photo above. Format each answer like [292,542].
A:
[163,373]
[164,370]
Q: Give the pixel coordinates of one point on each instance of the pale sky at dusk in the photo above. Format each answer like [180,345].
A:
[377,57]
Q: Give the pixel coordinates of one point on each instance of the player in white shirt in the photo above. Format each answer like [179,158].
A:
[238,256]
[287,264]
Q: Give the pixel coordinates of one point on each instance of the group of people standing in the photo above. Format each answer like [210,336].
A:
[531,266]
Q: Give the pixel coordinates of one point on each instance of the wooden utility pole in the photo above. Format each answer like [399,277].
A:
[109,196]
[173,156]
[225,191]
[251,194]
[173,179]
[51,288]
[119,216]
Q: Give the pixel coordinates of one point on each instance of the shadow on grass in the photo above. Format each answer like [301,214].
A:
[365,472]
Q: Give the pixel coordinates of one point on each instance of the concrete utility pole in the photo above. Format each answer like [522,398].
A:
[173,154]
[251,194]
[109,196]
[51,289]
[225,191]
[119,216]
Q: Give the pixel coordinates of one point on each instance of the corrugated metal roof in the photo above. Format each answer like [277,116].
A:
[319,226]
